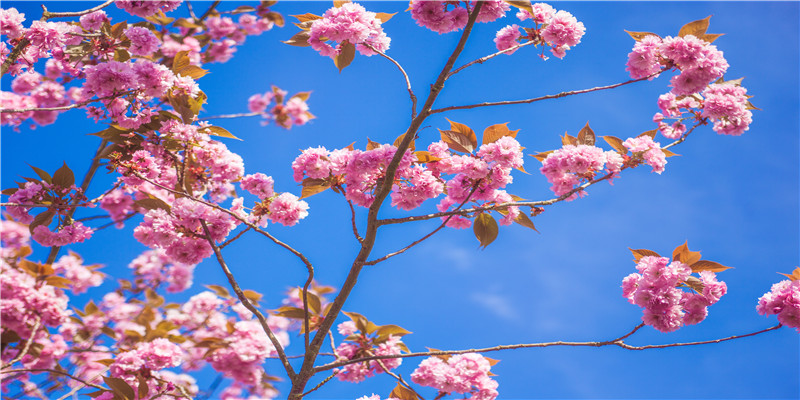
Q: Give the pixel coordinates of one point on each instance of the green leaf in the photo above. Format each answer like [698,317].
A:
[485,229]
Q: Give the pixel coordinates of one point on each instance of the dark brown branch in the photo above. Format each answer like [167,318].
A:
[246,302]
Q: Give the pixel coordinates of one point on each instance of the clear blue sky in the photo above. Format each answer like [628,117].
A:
[733,198]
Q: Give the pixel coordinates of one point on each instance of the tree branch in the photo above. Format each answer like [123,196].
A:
[36,325]
[405,76]
[54,371]
[547,97]
[490,56]
[246,302]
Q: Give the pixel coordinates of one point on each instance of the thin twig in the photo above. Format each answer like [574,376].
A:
[405,76]
[615,342]
[490,56]
[399,379]
[353,219]
[36,325]
[64,108]
[54,371]
[547,97]
[50,15]
[246,302]
[420,240]
[231,240]
[319,385]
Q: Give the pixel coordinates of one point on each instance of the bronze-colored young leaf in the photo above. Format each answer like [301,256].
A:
[652,133]
[160,19]
[750,106]
[456,141]
[43,218]
[496,131]
[586,136]
[684,255]
[96,393]
[143,389]
[346,55]
[402,393]
[384,17]
[120,387]
[64,177]
[464,130]
[339,3]
[314,303]
[485,229]
[243,9]
[711,37]
[276,18]
[637,36]
[522,5]
[423,156]
[360,320]
[705,265]
[180,61]
[302,96]
[252,295]
[492,361]
[525,221]
[42,174]
[192,71]
[304,25]
[221,132]
[443,357]
[393,330]
[639,253]
[694,283]
[9,191]
[542,156]
[616,144]
[300,39]
[372,145]
[794,276]
[290,312]
[306,17]
[152,203]
[58,281]
[569,139]
[121,55]
[668,153]
[697,28]
[411,147]
[312,186]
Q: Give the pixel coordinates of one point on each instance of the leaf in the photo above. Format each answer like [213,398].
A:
[492,361]
[372,145]
[637,36]
[466,131]
[64,177]
[485,229]
[302,96]
[152,203]
[314,303]
[243,9]
[697,28]
[705,265]
[290,312]
[42,174]
[300,39]
[360,320]
[346,55]
[276,18]
[496,131]
[160,19]
[542,156]
[393,330]
[44,218]
[750,106]
[396,143]
[143,389]
[192,71]
[651,133]
[586,136]
[711,37]
[58,281]
[794,276]
[312,186]
[443,357]
[424,156]
[180,61]
[523,220]
[384,17]
[221,132]
[694,283]
[339,3]
[569,139]
[306,17]
[639,253]
[121,55]
[402,393]
[522,5]
[120,387]
[668,153]
[615,143]
[684,255]
[252,295]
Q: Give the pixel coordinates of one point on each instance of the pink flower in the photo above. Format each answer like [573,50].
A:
[287,209]
[726,105]
[143,42]
[649,150]
[349,23]
[11,23]
[563,30]
[259,185]
[507,38]
[144,9]
[462,373]
[313,163]
[782,300]
[94,21]
[643,60]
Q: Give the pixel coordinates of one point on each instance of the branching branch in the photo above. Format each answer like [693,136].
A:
[489,57]
[405,76]
[36,325]
[615,342]
[246,302]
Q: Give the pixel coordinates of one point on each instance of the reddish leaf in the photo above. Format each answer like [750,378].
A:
[300,39]
[312,186]
[403,393]
[496,131]
[586,136]
[346,56]
[424,156]
[639,253]
[542,156]
[637,36]
[456,141]
[705,265]
[684,255]
[616,144]
[697,28]
[569,139]
[466,131]
[794,276]
[120,387]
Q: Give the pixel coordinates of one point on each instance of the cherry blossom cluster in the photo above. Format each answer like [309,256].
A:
[285,208]
[645,149]
[31,193]
[477,177]
[14,237]
[292,111]
[154,267]
[559,30]
[359,345]
[462,373]
[25,299]
[435,15]
[666,307]
[151,356]
[727,106]
[350,23]
[782,300]
[570,165]
[81,277]
[699,61]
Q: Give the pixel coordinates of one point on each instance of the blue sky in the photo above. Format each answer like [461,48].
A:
[733,198]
